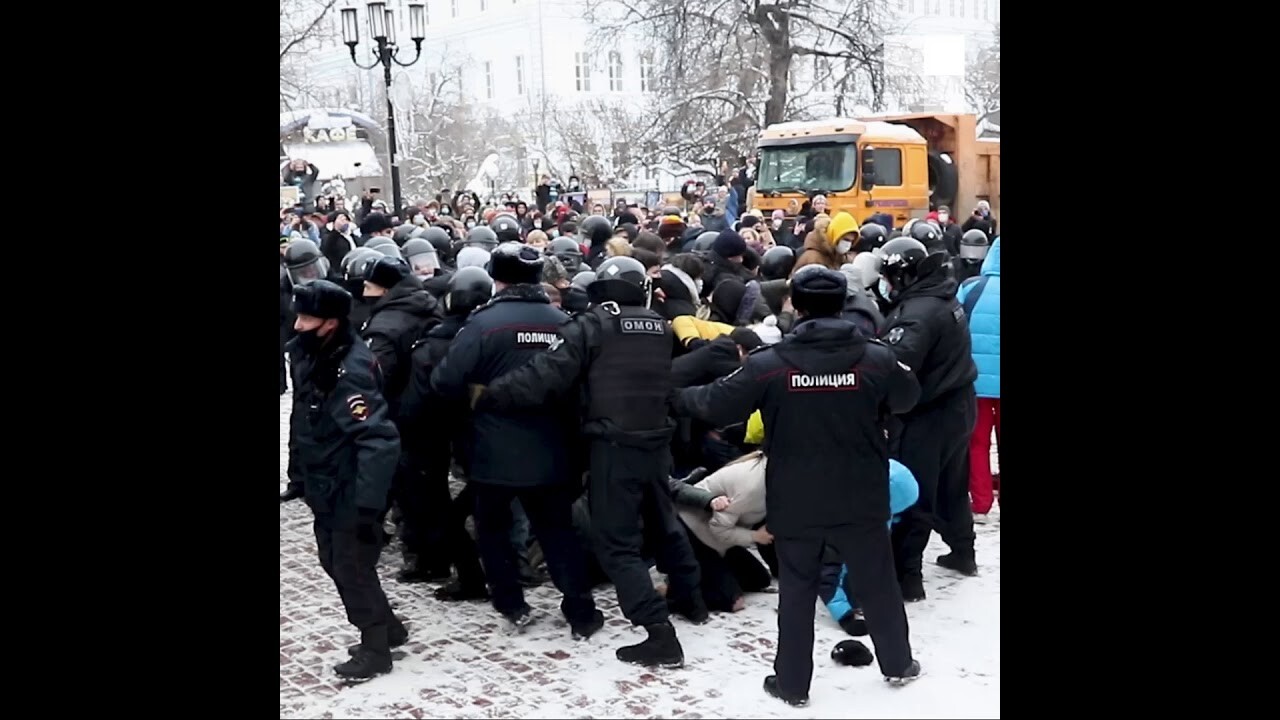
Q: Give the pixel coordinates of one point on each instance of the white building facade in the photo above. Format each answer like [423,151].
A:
[538,58]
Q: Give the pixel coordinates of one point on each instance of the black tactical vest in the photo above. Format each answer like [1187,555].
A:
[630,380]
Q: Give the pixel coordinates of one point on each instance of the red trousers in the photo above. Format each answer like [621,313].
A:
[980,491]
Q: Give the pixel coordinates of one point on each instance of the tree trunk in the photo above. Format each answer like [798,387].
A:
[775,27]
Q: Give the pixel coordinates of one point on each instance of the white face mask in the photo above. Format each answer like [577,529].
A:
[843,246]
[885,288]
[943,217]
[777,224]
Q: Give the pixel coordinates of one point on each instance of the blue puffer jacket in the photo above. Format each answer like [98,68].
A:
[984,324]
[903,493]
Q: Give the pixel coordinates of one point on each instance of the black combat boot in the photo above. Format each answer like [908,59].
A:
[520,618]
[853,623]
[372,656]
[416,571]
[584,630]
[962,563]
[694,610]
[911,673]
[661,649]
[912,588]
[456,591]
[397,635]
[293,492]
[771,687]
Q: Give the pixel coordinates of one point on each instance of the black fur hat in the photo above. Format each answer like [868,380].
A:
[322,299]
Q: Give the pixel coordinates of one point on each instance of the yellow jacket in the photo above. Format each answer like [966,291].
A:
[755,429]
[688,327]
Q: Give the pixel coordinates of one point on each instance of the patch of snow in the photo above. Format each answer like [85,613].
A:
[339,158]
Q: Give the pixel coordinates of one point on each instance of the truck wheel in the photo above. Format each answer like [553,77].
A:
[943,180]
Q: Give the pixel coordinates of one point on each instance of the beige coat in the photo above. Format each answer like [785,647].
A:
[743,484]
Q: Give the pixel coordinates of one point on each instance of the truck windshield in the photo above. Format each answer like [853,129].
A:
[803,168]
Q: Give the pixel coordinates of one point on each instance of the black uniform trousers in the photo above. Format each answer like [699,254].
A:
[442,538]
[350,558]
[724,578]
[866,550]
[934,445]
[409,492]
[631,508]
[549,508]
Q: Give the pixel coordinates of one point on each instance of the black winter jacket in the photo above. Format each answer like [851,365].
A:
[824,393]
[929,332]
[396,321]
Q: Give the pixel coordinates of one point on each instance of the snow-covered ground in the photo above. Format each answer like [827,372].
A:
[460,662]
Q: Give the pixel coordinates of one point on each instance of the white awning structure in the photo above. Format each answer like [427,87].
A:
[339,158]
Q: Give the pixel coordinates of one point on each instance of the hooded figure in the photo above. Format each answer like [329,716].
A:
[820,247]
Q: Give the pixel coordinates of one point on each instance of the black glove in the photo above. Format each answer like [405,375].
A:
[369,525]
[854,624]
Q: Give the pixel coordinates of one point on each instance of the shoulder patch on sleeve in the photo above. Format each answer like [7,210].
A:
[358,407]
[895,335]
[555,344]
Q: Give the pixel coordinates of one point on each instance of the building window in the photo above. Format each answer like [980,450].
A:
[646,73]
[582,71]
[952,8]
[453,6]
[986,9]
[519,74]
[615,71]
[888,167]
[937,7]
[488,79]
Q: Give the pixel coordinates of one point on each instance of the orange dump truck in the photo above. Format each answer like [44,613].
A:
[895,164]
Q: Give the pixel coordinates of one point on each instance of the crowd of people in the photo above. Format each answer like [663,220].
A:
[731,397]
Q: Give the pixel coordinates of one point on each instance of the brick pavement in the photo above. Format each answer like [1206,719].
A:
[462,662]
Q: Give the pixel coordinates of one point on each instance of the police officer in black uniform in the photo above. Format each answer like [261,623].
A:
[303,263]
[619,351]
[437,429]
[343,449]
[824,393]
[927,330]
[402,312]
[520,455]
[596,230]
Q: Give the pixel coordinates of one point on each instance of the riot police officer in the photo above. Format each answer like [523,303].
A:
[777,262]
[823,393]
[342,450]
[621,352]
[568,252]
[402,312]
[524,455]
[303,263]
[435,430]
[926,327]
[596,230]
[506,228]
[352,280]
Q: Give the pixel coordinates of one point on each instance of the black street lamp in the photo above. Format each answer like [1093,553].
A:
[382,27]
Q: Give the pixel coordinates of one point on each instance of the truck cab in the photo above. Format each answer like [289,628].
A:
[862,168]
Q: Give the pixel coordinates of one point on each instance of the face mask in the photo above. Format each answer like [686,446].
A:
[470,225]
[884,288]
[843,246]
[777,224]
[943,217]
[309,340]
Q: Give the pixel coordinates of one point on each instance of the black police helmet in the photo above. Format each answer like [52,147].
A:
[974,245]
[416,246]
[620,279]
[401,234]
[902,259]
[870,237]
[818,291]
[506,228]
[926,234]
[777,262]
[564,246]
[705,241]
[481,237]
[385,271]
[388,249]
[583,279]
[353,263]
[469,288]
[515,263]
[596,229]
[379,241]
[301,252]
[322,299]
